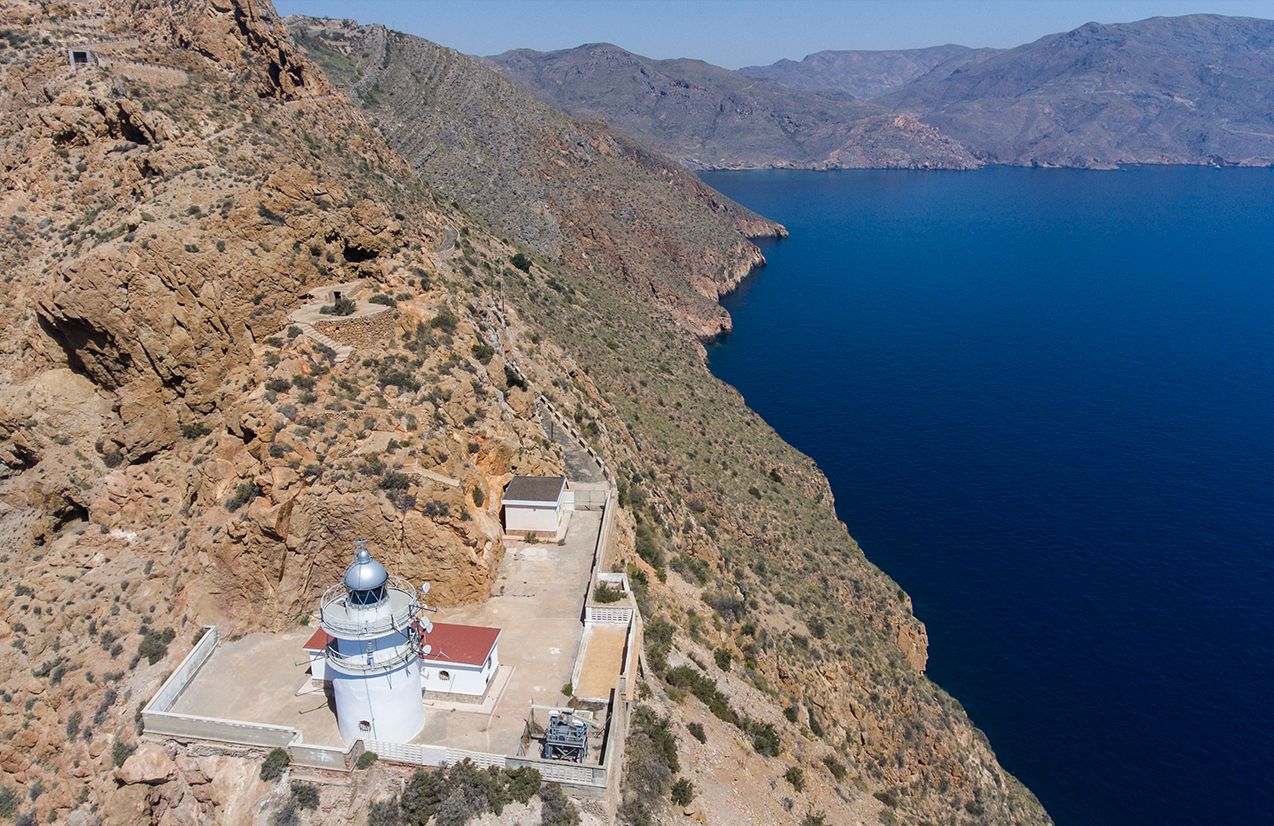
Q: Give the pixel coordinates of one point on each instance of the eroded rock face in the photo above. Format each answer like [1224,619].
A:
[173,451]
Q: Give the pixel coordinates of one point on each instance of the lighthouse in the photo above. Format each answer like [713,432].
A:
[373,654]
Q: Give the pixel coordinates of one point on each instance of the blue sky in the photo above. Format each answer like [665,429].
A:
[736,33]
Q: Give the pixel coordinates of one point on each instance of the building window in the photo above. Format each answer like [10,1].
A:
[364,725]
[444,675]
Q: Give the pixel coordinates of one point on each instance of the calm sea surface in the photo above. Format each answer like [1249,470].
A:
[1045,401]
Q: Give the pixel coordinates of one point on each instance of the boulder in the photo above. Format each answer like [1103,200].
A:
[150,765]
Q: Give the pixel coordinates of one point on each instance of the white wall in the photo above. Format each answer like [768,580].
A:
[540,520]
[318,665]
[464,679]
[389,703]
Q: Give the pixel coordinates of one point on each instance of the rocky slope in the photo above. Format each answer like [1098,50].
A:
[172,453]
[1197,89]
[706,116]
[175,452]
[576,192]
[863,74]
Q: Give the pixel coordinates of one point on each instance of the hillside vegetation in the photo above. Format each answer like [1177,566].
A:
[576,192]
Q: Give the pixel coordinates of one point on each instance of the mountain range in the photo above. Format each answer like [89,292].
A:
[1197,89]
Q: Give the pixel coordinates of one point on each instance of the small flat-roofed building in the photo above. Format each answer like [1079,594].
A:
[314,647]
[80,57]
[539,505]
[461,659]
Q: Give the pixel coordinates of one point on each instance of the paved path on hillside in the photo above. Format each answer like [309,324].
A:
[580,466]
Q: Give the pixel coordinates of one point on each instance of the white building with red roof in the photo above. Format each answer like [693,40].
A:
[460,659]
[456,659]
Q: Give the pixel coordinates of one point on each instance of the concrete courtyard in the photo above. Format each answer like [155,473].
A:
[537,601]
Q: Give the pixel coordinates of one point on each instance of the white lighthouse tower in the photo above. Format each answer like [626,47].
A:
[373,658]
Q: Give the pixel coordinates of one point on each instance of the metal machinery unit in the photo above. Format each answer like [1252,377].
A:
[566,737]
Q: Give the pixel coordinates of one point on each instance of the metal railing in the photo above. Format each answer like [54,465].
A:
[375,619]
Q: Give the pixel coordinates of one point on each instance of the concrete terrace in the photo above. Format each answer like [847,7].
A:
[536,601]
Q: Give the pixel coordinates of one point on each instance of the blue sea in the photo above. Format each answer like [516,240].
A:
[1045,401]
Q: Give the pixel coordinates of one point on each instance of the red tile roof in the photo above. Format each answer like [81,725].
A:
[450,643]
[317,641]
[462,644]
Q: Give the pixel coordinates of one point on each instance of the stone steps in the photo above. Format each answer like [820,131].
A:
[343,351]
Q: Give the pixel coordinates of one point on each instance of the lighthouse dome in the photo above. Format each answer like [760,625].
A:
[365,579]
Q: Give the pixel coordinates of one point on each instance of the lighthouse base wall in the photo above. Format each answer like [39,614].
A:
[381,706]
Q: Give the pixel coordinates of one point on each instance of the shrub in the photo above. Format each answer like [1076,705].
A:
[384,813]
[366,759]
[395,480]
[705,688]
[305,795]
[658,638]
[154,644]
[696,731]
[796,776]
[243,494]
[683,791]
[836,767]
[524,782]
[341,306]
[479,497]
[195,430]
[8,801]
[556,809]
[421,798]
[604,593]
[765,739]
[567,689]
[121,751]
[482,351]
[522,261]
[73,725]
[649,548]
[382,298]
[274,764]
[723,658]
[887,797]
[445,321]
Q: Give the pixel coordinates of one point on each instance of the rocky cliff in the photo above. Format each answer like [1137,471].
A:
[178,447]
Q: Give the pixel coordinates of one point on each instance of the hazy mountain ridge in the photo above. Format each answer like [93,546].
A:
[861,73]
[1197,89]
[707,116]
